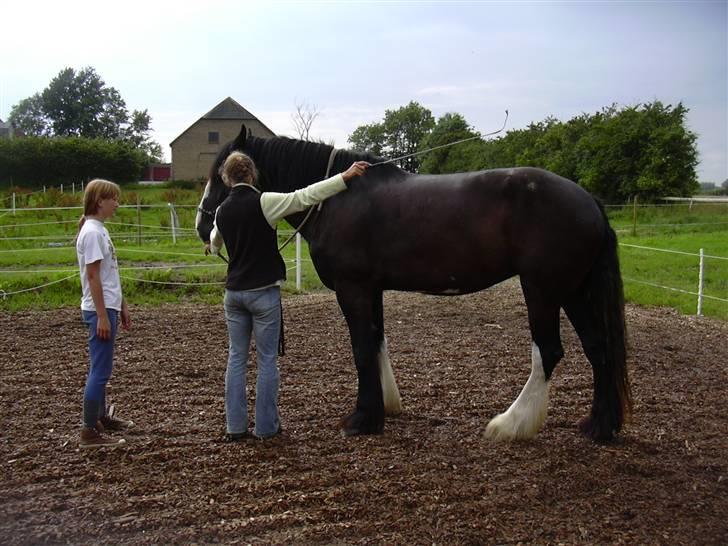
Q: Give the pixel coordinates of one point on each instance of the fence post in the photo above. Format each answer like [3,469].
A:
[173,221]
[634,216]
[298,261]
[13,203]
[61,188]
[139,221]
[700,283]
[73,187]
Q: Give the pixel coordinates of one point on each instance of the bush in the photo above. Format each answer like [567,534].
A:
[38,161]
[195,185]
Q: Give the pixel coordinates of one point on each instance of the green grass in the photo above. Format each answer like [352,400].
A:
[676,271]
[675,227]
[37,247]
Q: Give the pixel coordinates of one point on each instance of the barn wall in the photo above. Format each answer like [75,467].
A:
[192,155]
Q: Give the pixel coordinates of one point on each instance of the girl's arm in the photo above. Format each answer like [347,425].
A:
[93,274]
[125,316]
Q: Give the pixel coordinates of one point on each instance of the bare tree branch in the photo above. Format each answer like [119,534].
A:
[303,119]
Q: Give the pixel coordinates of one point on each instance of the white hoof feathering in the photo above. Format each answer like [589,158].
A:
[526,415]
[390,392]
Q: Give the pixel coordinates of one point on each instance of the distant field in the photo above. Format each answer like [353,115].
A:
[36,247]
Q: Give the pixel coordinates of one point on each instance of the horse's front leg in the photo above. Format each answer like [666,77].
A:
[359,304]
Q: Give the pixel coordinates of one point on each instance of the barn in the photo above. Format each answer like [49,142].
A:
[194,150]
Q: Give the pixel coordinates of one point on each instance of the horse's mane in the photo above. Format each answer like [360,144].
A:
[286,164]
[296,163]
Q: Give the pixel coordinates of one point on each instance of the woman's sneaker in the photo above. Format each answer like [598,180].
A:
[111,422]
[91,438]
[114,423]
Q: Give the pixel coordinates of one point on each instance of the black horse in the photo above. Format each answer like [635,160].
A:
[456,234]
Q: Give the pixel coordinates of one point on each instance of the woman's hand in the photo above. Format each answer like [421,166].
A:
[357,168]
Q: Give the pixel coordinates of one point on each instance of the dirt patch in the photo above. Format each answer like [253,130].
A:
[430,478]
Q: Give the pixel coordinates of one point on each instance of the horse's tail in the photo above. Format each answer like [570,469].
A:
[607,348]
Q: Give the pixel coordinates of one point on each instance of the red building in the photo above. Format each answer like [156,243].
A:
[157,172]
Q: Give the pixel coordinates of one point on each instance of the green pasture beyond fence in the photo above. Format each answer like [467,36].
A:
[161,258]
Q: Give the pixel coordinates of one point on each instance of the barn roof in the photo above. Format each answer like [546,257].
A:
[227,109]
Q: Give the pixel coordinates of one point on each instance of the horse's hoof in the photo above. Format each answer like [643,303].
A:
[359,423]
[595,433]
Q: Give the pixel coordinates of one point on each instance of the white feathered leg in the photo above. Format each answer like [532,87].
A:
[390,392]
[526,415]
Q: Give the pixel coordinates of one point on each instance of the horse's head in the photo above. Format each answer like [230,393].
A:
[216,191]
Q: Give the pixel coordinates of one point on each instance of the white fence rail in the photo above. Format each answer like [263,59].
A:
[700,294]
[176,231]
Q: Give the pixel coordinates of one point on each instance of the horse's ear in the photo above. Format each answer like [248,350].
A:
[242,136]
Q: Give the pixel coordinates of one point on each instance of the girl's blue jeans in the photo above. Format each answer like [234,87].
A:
[101,356]
[257,312]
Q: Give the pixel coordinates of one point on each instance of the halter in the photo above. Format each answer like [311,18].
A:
[205,211]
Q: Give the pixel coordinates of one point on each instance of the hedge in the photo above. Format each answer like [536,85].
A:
[36,161]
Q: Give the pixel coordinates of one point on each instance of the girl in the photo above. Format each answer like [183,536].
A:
[101,305]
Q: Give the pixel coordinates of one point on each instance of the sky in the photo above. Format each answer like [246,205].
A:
[351,61]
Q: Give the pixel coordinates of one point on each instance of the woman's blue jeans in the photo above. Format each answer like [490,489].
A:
[101,356]
[259,312]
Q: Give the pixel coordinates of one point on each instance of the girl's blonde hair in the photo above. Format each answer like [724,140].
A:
[239,168]
[95,191]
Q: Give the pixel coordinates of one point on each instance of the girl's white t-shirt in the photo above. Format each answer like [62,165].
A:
[94,244]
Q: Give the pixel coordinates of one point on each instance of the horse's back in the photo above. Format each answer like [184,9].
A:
[462,232]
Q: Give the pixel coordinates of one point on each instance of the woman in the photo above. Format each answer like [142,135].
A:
[101,304]
[246,223]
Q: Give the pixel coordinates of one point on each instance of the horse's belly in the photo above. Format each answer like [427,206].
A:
[443,280]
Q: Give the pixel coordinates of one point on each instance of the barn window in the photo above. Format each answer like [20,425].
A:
[213,137]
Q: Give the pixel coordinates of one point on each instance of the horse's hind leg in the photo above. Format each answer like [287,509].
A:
[526,415]
[606,414]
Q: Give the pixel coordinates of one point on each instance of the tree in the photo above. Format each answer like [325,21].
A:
[398,135]
[80,104]
[404,129]
[137,134]
[368,138]
[449,128]
[641,150]
[29,117]
[303,119]
[616,153]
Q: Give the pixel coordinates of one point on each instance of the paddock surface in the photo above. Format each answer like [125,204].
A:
[431,478]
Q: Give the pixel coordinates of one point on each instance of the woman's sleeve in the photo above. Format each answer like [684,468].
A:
[279,205]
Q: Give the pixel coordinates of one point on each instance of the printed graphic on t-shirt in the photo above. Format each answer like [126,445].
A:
[112,253]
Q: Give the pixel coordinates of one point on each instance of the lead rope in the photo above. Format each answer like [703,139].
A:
[282,337]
